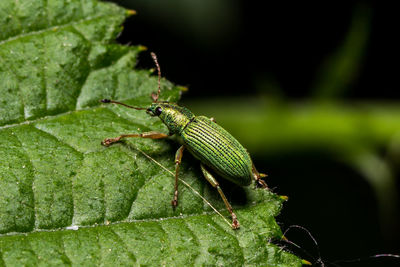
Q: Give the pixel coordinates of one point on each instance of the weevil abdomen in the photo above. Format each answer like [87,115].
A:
[218,149]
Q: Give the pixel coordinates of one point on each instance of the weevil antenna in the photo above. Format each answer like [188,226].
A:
[119,103]
[155,97]
[319,260]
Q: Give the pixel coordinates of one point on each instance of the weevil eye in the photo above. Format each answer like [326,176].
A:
[157,111]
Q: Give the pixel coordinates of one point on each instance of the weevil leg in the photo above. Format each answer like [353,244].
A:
[258,177]
[178,159]
[215,184]
[152,135]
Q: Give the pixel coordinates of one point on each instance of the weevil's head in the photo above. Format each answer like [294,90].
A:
[173,116]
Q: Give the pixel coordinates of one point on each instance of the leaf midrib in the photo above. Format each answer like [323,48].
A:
[180,217]
[48,117]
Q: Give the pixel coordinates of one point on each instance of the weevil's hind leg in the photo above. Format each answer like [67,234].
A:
[152,135]
[258,177]
[178,159]
[215,184]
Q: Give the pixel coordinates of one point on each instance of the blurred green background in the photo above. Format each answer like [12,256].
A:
[312,91]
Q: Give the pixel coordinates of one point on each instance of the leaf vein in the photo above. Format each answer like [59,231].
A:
[31,248]
[216,225]
[53,27]
[73,192]
[2,263]
[211,213]
[44,80]
[126,247]
[21,98]
[77,170]
[103,194]
[195,238]
[138,191]
[87,74]
[58,140]
[46,8]
[33,181]
[64,251]
[16,17]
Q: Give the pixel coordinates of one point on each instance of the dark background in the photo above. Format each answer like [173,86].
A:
[223,46]
[230,49]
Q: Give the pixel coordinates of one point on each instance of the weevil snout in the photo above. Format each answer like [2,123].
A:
[148,111]
[154,110]
[105,101]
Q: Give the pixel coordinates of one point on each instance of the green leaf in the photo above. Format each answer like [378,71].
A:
[67,200]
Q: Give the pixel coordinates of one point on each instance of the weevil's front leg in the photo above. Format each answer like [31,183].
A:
[215,184]
[258,177]
[178,159]
[152,135]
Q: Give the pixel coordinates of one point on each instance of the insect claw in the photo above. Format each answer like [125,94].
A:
[235,222]
[262,183]
[174,203]
[284,198]
[154,97]
[107,142]
[131,12]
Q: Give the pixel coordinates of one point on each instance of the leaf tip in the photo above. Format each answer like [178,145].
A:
[130,12]
[183,88]
[284,198]
[142,48]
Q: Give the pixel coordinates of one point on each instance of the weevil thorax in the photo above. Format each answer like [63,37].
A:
[173,116]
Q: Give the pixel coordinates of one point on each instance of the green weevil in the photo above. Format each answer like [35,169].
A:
[216,148]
